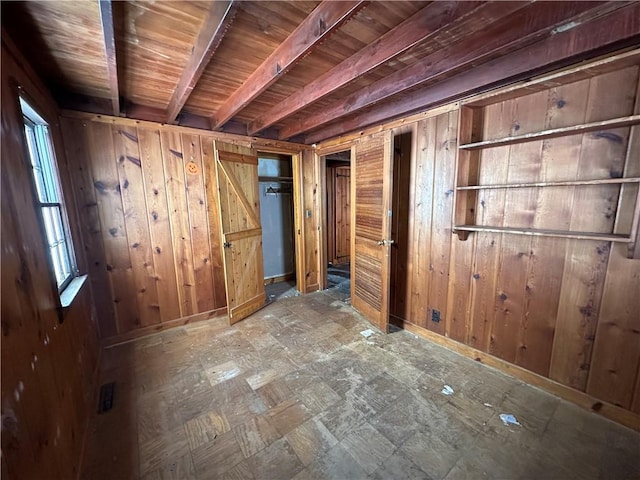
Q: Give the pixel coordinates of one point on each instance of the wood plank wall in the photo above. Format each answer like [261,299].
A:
[150,220]
[146,209]
[48,368]
[562,308]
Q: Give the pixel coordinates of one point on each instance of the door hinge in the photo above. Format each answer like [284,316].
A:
[227,244]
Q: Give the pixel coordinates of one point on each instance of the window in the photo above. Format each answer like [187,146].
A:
[50,200]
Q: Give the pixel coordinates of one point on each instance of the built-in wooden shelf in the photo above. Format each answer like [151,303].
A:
[605,181]
[554,132]
[607,237]
[473,138]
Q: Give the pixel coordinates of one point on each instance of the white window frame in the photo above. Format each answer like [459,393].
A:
[49,197]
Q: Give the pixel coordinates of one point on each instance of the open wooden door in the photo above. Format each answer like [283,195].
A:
[371,205]
[237,174]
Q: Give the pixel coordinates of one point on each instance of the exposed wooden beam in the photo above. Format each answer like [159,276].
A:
[615,30]
[421,26]
[220,15]
[106,20]
[511,32]
[321,22]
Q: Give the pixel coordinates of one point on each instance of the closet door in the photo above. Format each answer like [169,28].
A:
[237,173]
[371,220]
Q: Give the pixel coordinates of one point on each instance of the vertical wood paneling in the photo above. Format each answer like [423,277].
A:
[535,301]
[586,261]
[114,234]
[462,252]
[174,174]
[198,221]
[519,210]
[148,204]
[159,225]
[490,211]
[566,106]
[616,350]
[135,212]
[442,209]
[75,138]
[421,213]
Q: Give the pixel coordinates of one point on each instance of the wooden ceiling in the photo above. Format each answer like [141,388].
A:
[300,70]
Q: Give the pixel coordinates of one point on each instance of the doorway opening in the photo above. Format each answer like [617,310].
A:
[400,203]
[338,224]
[275,176]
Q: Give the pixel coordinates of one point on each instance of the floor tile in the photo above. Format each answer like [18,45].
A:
[399,467]
[368,447]
[342,419]
[288,415]
[279,460]
[310,440]
[294,391]
[254,435]
[216,457]
[336,463]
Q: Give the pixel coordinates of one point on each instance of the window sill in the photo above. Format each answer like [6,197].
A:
[71,291]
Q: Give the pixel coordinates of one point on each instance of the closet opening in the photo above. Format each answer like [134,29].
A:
[400,203]
[275,176]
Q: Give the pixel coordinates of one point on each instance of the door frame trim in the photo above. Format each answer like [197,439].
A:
[321,163]
[298,215]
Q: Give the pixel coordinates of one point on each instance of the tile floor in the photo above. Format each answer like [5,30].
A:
[296,392]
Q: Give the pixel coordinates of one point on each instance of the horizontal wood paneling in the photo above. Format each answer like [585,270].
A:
[143,192]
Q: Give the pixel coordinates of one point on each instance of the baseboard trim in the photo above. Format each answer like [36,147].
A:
[280,278]
[581,399]
[161,327]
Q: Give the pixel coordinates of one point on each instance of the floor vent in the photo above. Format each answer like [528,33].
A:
[106,397]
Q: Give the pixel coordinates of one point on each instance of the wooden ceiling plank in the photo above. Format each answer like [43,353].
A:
[606,33]
[321,22]
[217,21]
[425,24]
[513,31]
[106,21]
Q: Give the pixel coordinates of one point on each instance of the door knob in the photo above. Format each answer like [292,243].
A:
[385,242]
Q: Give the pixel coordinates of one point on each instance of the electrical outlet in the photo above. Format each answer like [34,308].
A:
[435,316]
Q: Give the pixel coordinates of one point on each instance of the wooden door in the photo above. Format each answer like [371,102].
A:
[338,214]
[342,214]
[371,228]
[237,174]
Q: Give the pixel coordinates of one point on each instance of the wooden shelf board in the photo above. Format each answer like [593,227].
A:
[555,132]
[604,181]
[607,237]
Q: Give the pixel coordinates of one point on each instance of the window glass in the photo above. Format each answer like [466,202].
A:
[45,177]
